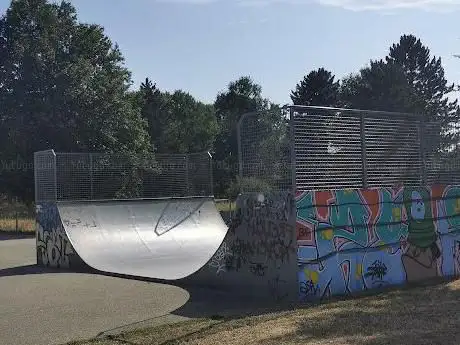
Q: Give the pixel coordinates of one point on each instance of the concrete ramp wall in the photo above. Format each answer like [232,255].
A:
[178,239]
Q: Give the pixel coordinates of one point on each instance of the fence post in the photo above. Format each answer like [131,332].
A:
[363,149]
[55,176]
[187,182]
[91,175]
[292,159]
[238,140]
[421,132]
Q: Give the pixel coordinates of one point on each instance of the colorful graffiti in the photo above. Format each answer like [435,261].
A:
[353,240]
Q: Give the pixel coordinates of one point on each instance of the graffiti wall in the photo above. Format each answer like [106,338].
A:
[53,247]
[353,240]
[258,255]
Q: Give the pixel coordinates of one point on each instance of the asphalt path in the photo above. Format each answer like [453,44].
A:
[39,306]
[42,307]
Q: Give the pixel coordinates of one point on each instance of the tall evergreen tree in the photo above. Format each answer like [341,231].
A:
[317,88]
[427,78]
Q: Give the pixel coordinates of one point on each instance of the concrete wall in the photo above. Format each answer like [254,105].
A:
[259,254]
[53,246]
[353,240]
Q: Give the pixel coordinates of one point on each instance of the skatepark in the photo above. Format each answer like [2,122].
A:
[334,222]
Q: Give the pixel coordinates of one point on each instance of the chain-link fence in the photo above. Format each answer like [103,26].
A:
[99,176]
[264,147]
[344,148]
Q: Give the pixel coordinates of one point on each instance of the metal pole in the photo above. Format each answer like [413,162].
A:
[91,175]
[293,165]
[211,174]
[240,153]
[186,176]
[421,133]
[363,149]
[55,175]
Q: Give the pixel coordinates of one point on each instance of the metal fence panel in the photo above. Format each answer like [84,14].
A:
[100,176]
[328,150]
[45,175]
[264,151]
[349,148]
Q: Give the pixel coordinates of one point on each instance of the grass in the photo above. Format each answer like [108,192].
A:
[225,206]
[411,316]
[24,225]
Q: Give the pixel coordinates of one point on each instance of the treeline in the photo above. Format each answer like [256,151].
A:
[63,85]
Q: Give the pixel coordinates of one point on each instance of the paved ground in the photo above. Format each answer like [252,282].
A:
[38,307]
[43,307]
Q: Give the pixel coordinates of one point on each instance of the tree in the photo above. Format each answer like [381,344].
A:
[317,88]
[242,96]
[63,86]
[381,86]
[426,76]
[191,125]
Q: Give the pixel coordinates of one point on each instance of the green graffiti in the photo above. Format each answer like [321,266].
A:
[417,203]
[349,211]
[305,209]
[452,204]
[389,227]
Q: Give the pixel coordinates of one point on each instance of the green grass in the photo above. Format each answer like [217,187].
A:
[413,316]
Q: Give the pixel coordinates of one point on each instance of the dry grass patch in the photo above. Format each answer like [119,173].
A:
[418,316]
[23,224]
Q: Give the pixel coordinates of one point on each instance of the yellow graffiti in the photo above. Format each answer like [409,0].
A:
[348,191]
[327,234]
[381,245]
[397,214]
[312,276]
[457,206]
[359,271]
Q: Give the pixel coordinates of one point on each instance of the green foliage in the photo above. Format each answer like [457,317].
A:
[317,88]
[242,96]
[177,122]
[381,86]
[247,184]
[63,86]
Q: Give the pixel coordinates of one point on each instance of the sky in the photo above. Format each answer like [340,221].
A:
[200,46]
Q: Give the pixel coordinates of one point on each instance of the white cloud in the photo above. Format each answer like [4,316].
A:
[353,5]
[363,5]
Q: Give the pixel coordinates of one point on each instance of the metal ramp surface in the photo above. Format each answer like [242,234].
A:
[164,239]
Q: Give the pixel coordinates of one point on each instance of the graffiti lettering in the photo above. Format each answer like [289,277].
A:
[53,247]
[258,269]
[308,289]
[377,270]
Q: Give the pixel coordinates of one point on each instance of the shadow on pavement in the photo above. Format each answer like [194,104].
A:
[30,269]
[5,235]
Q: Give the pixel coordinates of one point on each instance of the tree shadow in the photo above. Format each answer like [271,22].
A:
[424,315]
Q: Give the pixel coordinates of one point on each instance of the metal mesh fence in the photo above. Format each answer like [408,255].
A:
[45,175]
[99,176]
[264,152]
[344,148]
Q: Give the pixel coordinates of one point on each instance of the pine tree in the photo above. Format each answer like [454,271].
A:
[317,88]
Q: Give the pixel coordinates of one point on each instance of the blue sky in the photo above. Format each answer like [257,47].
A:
[201,45]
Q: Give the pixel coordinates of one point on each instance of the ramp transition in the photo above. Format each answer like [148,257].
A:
[162,239]
[178,239]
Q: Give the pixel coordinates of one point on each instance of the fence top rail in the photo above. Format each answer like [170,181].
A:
[352,111]
[83,201]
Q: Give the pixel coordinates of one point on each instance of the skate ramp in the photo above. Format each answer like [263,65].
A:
[163,239]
